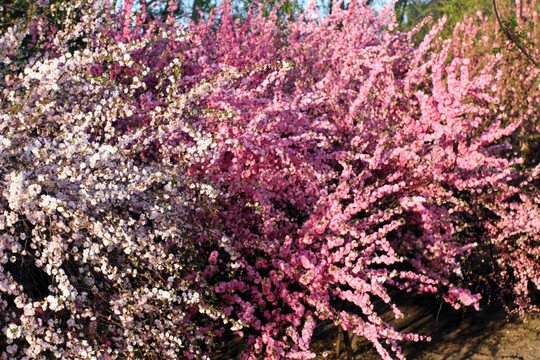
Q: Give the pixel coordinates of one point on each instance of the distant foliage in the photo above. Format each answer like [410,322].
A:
[164,189]
[410,13]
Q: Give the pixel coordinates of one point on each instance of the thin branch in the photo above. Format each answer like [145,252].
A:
[13,8]
[511,36]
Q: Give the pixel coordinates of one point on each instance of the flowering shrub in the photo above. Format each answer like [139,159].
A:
[165,189]
[480,39]
[94,244]
[517,84]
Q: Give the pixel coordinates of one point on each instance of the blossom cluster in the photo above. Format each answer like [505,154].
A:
[164,189]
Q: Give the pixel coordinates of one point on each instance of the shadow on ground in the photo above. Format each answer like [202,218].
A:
[463,334]
[456,335]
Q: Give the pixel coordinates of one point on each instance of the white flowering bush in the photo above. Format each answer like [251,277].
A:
[99,250]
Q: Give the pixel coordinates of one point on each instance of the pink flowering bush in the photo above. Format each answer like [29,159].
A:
[166,189]
[481,39]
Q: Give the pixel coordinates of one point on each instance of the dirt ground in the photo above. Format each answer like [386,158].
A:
[489,334]
[456,335]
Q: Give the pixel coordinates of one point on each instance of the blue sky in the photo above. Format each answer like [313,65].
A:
[377,3]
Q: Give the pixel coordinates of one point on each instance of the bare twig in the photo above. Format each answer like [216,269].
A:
[438,313]
[338,343]
[511,36]
[12,8]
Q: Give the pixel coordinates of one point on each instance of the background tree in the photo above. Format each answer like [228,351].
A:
[195,10]
[410,13]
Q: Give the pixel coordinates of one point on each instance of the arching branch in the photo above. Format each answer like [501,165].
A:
[510,35]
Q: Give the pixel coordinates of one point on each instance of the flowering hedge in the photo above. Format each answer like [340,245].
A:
[480,39]
[165,189]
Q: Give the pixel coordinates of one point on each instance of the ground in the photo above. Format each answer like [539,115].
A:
[456,335]
[489,334]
